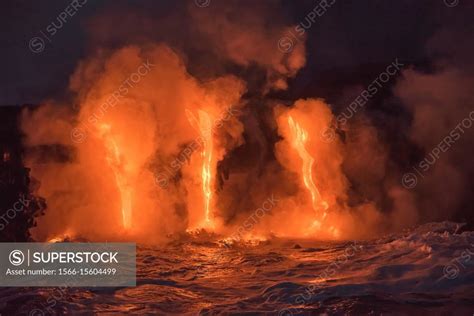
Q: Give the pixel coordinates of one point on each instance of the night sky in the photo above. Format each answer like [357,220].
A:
[350,35]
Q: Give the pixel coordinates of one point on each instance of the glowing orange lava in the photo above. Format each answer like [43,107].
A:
[299,140]
[117,164]
[204,126]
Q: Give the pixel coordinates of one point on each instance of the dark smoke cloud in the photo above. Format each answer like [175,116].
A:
[442,104]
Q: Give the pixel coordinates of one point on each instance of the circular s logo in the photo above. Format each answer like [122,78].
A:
[36,44]
[409,180]
[36,312]
[285,44]
[451,3]
[16,257]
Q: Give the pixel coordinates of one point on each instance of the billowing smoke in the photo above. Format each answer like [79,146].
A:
[140,143]
[225,36]
[131,126]
[171,128]
[442,107]
[409,153]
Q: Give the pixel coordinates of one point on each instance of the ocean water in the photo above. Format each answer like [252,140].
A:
[424,271]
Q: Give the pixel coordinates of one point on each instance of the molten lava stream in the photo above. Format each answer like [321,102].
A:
[116,163]
[299,140]
[204,126]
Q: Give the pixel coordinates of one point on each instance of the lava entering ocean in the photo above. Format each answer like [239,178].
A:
[300,137]
[118,166]
[156,149]
[109,184]
[204,125]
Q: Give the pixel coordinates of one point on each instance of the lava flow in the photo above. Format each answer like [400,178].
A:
[116,163]
[204,126]
[300,137]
